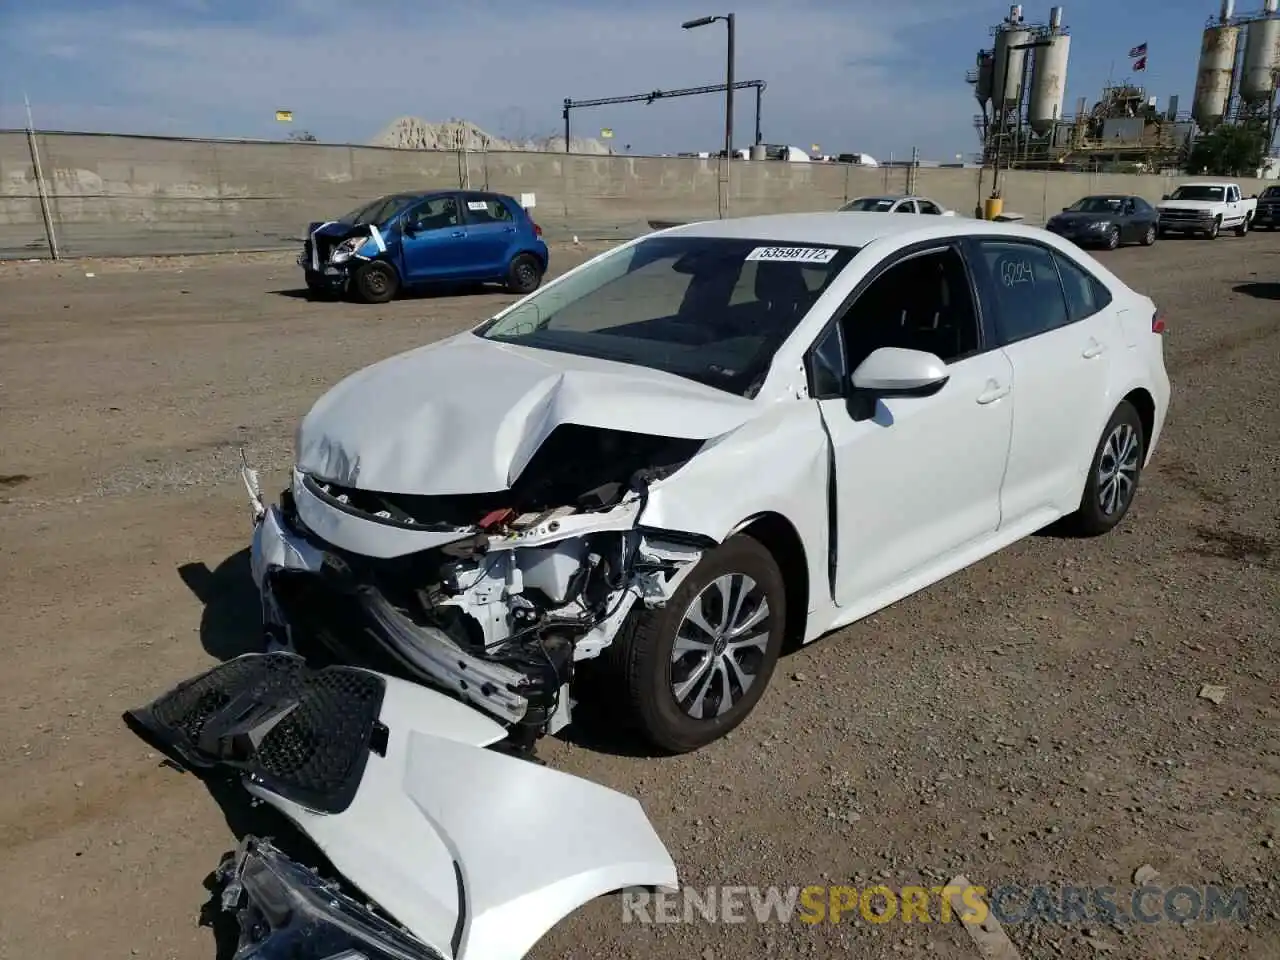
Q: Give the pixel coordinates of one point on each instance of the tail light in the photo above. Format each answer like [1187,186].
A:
[1157,322]
[537,230]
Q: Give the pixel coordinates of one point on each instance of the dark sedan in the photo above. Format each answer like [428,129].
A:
[1107,221]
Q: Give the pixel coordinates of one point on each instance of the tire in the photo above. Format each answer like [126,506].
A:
[1215,229]
[1149,237]
[1122,443]
[376,282]
[1113,238]
[1243,228]
[648,669]
[524,275]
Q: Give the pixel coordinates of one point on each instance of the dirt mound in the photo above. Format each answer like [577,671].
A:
[414,133]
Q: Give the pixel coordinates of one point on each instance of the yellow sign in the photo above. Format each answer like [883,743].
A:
[606,133]
[284,116]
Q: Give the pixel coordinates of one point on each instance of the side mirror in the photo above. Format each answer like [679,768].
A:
[898,372]
[1165,197]
[1065,209]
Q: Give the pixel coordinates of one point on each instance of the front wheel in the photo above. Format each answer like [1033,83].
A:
[376,282]
[1113,238]
[1149,237]
[1215,229]
[524,275]
[1113,474]
[691,671]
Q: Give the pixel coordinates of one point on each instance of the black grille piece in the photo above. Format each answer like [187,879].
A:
[302,733]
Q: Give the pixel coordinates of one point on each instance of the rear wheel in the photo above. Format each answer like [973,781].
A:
[524,275]
[376,282]
[1113,474]
[1149,237]
[691,671]
[1243,227]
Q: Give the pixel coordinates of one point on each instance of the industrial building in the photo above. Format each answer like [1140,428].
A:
[1020,83]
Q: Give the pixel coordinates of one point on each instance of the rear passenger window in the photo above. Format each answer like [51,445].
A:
[1023,278]
[1085,293]
[482,210]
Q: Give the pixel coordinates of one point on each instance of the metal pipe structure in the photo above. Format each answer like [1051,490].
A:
[758,85]
[995,180]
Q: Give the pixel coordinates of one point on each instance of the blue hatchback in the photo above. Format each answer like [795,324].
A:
[411,239]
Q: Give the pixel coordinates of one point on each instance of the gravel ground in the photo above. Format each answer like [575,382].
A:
[1032,720]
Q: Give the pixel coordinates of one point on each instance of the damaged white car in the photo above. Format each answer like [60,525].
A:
[702,444]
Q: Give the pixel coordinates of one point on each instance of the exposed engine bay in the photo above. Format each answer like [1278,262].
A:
[510,589]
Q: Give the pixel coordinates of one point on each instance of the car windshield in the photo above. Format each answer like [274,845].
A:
[869,204]
[712,309]
[1196,192]
[1271,193]
[375,212]
[1097,205]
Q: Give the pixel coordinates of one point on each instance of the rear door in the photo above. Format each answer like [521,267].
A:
[1054,321]
[432,234]
[492,230]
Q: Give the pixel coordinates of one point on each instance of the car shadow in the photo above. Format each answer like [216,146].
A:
[1259,291]
[231,623]
[416,293]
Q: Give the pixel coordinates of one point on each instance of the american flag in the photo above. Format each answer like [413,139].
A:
[1139,51]
[1140,64]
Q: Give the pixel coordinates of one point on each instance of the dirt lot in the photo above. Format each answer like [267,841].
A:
[1032,720]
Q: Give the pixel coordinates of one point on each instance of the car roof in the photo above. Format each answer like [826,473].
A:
[834,227]
[1111,196]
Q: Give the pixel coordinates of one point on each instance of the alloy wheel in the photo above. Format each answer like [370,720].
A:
[1118,470]
[720,646]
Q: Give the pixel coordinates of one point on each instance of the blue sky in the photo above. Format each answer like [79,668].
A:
[863,75]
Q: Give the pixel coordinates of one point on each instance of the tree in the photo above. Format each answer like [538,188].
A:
[302,136]
[1229,151]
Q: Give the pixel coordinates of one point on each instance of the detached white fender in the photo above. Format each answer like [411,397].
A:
[474,852]
[531,844]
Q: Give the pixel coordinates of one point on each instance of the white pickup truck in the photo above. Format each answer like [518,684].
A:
[1206,209]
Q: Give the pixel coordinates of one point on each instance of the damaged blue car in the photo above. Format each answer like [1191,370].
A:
[408,240]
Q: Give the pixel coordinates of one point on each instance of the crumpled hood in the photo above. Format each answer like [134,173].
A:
[465,415]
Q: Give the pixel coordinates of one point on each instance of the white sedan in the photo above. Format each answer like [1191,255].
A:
[701,444]
[896,203]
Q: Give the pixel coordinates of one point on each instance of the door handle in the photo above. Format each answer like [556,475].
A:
[1094,349]
[508,229]
[993,392]
[458,233]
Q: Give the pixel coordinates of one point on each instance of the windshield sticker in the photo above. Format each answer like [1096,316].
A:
[477,205]
[794,254]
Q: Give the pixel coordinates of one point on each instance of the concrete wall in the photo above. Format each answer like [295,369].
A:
[120,195]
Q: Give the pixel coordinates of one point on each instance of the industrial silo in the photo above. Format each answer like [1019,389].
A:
[1261,57]
[1009,63]
[982,87]
[1213,75]
[1049,76]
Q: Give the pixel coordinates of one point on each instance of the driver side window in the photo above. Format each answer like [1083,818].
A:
[921,303]
[436,213]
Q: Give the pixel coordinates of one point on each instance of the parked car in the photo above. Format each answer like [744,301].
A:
[1268,211]
[1107,221]
[1206,209]
[408,240]
[897,203]
[700,443]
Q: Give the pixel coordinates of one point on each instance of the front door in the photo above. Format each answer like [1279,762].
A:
[432,243]
[1055,324]
[919,480]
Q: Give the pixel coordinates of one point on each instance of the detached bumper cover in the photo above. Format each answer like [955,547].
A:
[477,854]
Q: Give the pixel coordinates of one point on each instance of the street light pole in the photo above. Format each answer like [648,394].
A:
[730,20]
